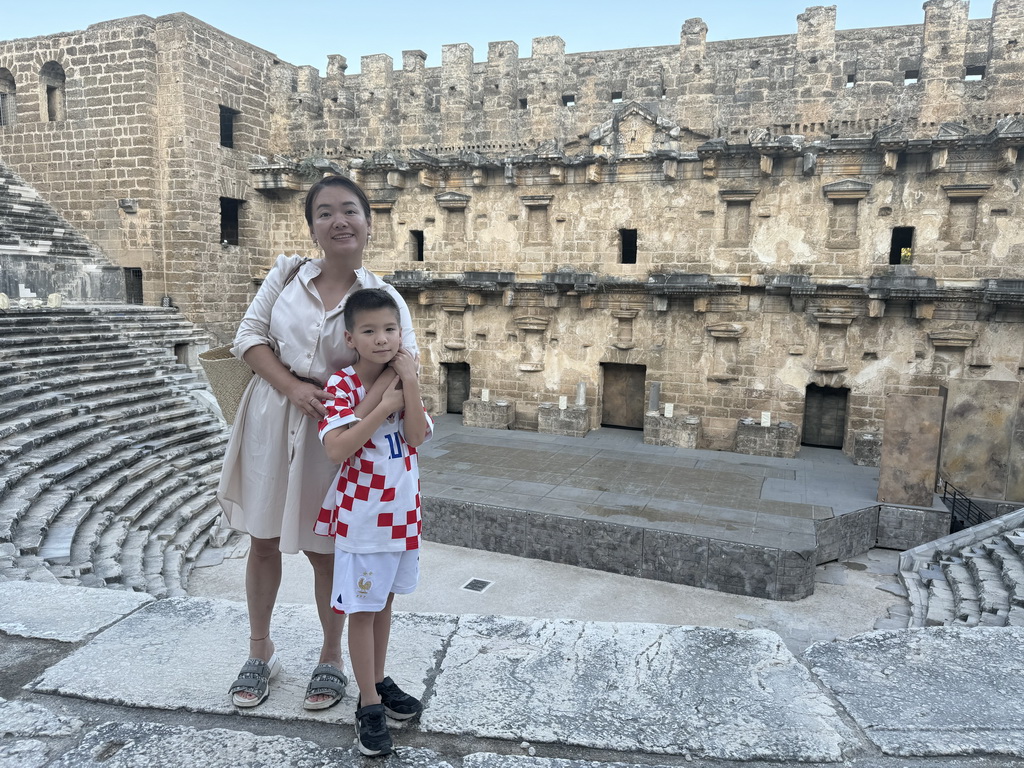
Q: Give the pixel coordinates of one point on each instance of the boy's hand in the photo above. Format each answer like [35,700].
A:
[404,364]
[393,399]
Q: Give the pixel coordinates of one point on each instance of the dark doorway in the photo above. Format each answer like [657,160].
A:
[133,285]
[456,377]
[622,402]
[627,246]
[825,416]
[901,248]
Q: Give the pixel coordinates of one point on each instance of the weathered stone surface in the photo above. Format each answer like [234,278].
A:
[941,691]
[127,745]
[58,612]
[636,688]
[910,451]
[24,753]
[25,718]
[187,652]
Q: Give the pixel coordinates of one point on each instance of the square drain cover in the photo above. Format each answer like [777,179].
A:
[477,585]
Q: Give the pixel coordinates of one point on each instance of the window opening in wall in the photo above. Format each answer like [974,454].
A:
[229,209]
[616,97]
[569,101]
[627,246]
[133,285]
[523,103]
[7,91]
[181,353]
[911,76]
[417,241]
[227,126]
[851,80]
[51,78]
[901,249]
[974,73]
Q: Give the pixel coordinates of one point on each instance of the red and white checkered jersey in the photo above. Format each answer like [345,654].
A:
[374,504]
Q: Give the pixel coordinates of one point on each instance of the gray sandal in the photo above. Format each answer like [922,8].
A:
[327,680]
[254,678]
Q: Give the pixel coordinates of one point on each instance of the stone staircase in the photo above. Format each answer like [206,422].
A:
[108,461]
[43,253]
[974,577]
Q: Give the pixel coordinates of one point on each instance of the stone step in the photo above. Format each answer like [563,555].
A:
[993,596]
[20,382]
[1010,565]
[966,604]
[940,611]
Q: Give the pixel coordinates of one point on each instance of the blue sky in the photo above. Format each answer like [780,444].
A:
[306,32]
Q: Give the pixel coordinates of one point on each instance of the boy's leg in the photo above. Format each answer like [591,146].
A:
[362,653]
[381,636]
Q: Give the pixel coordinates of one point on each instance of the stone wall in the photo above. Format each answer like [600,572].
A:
[736,220]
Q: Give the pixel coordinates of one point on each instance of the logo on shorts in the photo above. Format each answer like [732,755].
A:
[364,584]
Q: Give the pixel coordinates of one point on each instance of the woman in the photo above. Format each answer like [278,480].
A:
[276,472]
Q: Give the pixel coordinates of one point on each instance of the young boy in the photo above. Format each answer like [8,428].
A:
[373,510]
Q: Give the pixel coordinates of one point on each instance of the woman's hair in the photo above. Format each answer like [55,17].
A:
[336,181]
[367,300]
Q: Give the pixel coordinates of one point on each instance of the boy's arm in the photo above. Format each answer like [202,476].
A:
[342,442]
[415,419]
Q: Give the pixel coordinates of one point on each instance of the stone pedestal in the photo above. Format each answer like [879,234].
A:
[680,431]
[781,440]
[867,449]
[495,414]
[573,421]
[910,451]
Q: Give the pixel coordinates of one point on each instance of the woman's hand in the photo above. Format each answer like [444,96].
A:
[308,398]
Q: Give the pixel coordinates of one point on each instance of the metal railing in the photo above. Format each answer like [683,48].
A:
[965,512]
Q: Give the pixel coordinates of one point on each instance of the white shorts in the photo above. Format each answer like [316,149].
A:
[362,582]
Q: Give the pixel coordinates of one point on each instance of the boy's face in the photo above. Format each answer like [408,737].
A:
[376,335]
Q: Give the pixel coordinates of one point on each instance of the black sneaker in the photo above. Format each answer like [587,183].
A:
[372,733]
[397,703]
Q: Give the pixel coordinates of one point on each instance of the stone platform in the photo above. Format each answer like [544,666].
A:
[111,679]
[750,525]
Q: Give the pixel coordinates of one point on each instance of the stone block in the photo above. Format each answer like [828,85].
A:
[867,449]
[979,436]
[743,569]
[910,450]
[675,557]
[904,528]
[573,421]
[494,414]
[611,547]
[554,538]
[781,439]
[679,431]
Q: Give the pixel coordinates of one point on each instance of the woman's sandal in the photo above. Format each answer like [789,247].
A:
[255,679]
[327,680]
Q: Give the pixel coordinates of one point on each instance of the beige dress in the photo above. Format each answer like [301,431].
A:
[276,472]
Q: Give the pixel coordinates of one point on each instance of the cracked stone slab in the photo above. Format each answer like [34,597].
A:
[25,718]
[732,695]
[129,745]
[184,653]
[62,612]
[933,691]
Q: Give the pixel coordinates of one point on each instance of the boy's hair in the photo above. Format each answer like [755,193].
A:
[366,300]
[336,181]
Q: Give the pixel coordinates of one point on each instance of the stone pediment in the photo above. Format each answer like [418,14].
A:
[635,130]
[1009,130]
[846,189]
[891,137]
[950,132]
[452,201]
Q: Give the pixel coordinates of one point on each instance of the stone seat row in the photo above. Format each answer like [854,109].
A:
[969,580]
[108,466]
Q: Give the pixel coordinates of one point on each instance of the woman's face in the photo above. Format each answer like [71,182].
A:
[339,225]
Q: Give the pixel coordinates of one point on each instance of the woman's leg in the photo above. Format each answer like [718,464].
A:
[262,580]
[332,623]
